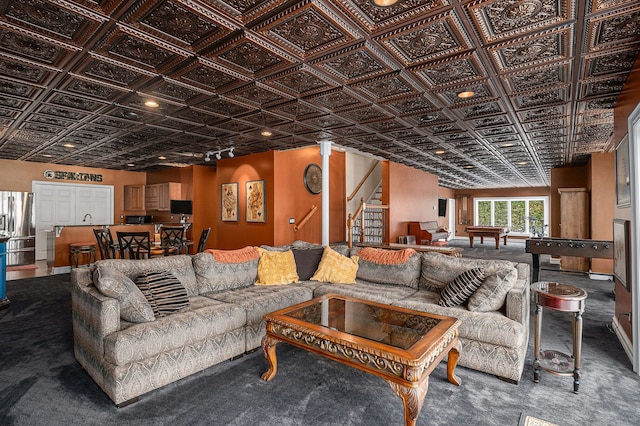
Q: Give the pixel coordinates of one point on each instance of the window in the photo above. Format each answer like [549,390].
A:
[524,215]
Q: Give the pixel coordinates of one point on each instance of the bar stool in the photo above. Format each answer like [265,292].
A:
[82,250]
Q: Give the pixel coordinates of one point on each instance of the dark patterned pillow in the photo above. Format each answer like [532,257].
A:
[461,288]
[164,292]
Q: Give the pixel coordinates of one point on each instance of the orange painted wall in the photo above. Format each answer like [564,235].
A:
[603,199]
[293,200]
[205,207]
[233,235]
[412,195]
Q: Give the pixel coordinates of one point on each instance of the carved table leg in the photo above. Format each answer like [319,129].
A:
[412,399]
[269,350]
[452,362]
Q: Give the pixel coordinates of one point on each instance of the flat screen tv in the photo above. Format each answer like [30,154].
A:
[181,207]
[442,207]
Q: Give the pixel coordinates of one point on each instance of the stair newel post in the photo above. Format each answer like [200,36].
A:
[349,231]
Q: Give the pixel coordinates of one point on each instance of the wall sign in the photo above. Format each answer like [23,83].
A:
[86,177]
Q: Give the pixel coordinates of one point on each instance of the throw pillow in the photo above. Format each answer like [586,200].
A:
[133,305]
[493,291]
[336,268]
[391,267]
[164,292]
[458,291]
[307,261]
[276,267]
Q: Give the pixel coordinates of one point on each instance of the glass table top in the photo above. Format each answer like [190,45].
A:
[382,324]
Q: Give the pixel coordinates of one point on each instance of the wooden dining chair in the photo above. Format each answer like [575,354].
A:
[105,243]
[202,243]
[172,239]
[134,245]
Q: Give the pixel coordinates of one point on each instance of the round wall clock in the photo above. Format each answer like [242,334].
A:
[313,178]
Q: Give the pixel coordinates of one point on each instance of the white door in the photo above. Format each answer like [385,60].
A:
[452,218]
[65,204]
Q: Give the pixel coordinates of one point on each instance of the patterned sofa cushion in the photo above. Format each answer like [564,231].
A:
[393,267]
[458,291]
[493,291]
[133,304]
[163,291]
[487,327]
[180,266]
[259,300]
[202,320]
[438,269]
[381,293]
[213,275]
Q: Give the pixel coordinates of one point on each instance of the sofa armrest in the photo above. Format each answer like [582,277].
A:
[517,301]
[94,317]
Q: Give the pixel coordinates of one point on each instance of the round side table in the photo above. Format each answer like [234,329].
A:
[563,298]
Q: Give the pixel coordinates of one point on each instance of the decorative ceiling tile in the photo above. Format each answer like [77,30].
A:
[139,52]
[112,72]
[353,64]
[551,46]
[32,48]
[604,87]
[16,89]
[225,107]
[481,93]
[610,63]
[536,78]
[539,99]
[373,18]
[427,40]
[177,23]
[299,81]
[481,110]
[451,72]
[256,95]
[23,71]
[208,76]
[411,105]
[617,29]
[385,87]
[297,109]
[307,29]
[335,100]
[543,113]
[249,57]
[90,88]
[502,19]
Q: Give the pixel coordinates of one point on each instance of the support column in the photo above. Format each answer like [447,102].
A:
[325,151]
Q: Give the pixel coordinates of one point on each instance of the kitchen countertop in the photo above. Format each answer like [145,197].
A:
[58,228]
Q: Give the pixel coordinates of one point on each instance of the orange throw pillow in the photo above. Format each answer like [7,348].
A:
[234,256]
[384,256]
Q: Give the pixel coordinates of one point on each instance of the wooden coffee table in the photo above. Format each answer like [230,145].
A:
[400,345]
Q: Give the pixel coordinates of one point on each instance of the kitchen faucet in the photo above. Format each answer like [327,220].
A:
[85,218]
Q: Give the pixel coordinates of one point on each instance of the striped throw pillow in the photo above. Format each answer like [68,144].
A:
[461,287]
[164,292]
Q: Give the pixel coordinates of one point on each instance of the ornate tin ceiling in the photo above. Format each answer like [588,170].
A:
[75,75]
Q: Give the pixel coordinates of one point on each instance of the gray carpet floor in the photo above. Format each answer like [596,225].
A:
[42,384]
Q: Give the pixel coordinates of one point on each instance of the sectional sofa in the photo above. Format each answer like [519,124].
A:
[196,311]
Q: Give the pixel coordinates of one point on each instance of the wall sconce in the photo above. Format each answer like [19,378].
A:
[218,154]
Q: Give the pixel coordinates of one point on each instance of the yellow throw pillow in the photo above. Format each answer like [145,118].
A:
[336,268]
[276,267]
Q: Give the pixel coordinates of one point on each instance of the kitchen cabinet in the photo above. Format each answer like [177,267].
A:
[134,197]
[158,196]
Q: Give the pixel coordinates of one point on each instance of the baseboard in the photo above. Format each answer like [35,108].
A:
[60,270]
[600,276]
[623,338]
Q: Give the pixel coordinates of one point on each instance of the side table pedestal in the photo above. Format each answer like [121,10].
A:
[562,298]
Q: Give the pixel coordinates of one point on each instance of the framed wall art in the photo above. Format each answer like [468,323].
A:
[256,210]
[230,202]
[621,248]
[623,189]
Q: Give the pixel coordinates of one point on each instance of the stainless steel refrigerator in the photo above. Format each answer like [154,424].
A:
[17,220]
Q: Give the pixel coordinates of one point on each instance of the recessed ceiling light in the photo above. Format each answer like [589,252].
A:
[440,151]
[47,155]
[466,94]
[130,115]
[162,157]
[521,163]
[468,166]
[69,145]
[130,165]
[151,103]
[506,145]
[266,133]
[384,3]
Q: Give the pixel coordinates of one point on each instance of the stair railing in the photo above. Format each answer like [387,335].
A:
[362,181]
[360,213]
[306,218]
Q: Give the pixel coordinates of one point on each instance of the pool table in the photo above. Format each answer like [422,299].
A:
[496,232]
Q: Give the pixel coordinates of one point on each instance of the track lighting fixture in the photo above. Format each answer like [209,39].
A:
[218,154]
